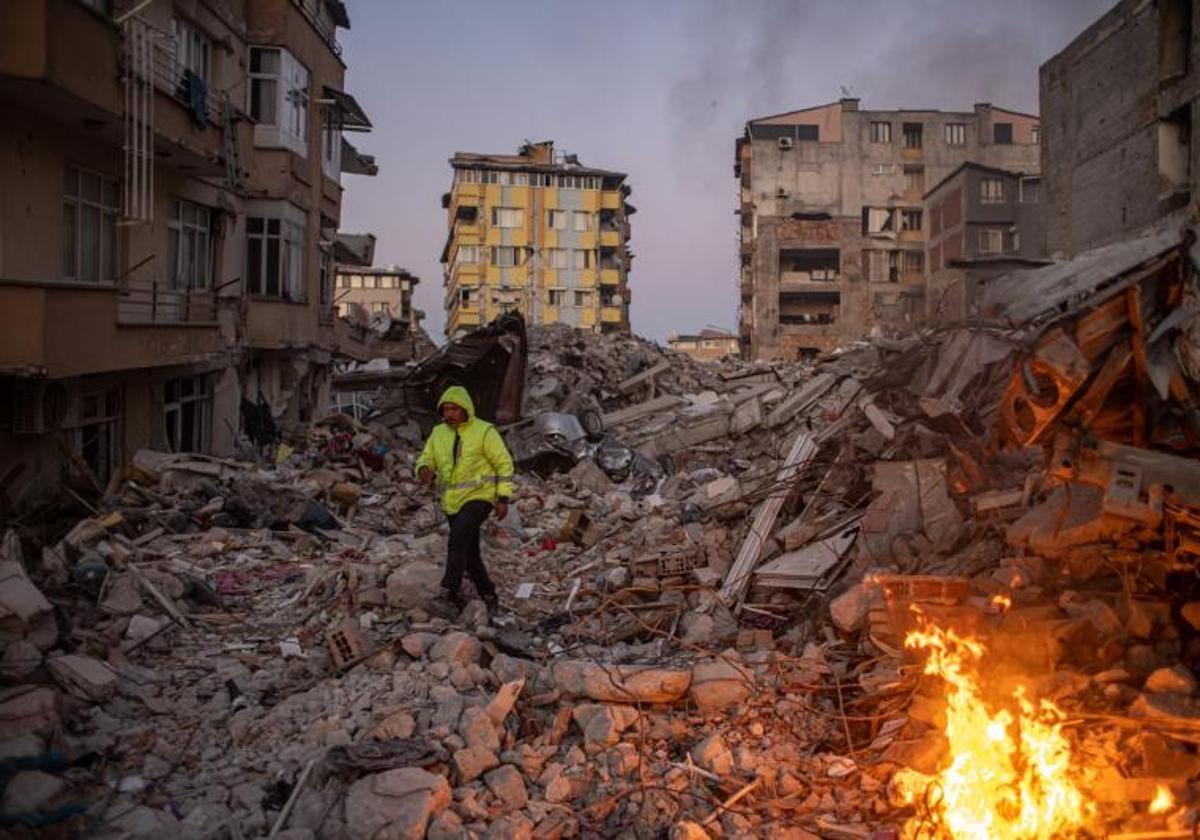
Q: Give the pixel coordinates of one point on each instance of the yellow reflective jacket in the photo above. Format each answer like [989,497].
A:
[477,468]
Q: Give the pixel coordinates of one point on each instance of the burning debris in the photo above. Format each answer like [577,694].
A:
[932,585]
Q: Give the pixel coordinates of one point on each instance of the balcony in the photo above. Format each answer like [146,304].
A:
[612,314]
[206,106]
[610,276]
[610,238]
[154,302]
[611,200]
[311,10]
[802,281]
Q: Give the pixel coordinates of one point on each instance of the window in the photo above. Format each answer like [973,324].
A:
[189,245]
[379,306]
[881,132]
[331,148]
[505,256]
[356,281]
[808,132]
[883,169]
[912,135]
[96,430]
[464,297]
[876,263]
[914,262]
[1035,134]
[910,219]
[1002,133]
[556,297]
[187,411]
[556,257]
[991,191]
[90,208]
[275,255]
[581,259]
[583,298]
[279,98]
[1030,188]
[991,240]
[264,85]
[507,217]
[914,179]
[556,219]
[466,176]
[193,51]
[956,134]
[467,254]
[582,221]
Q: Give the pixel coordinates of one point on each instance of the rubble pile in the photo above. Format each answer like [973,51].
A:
[705,597]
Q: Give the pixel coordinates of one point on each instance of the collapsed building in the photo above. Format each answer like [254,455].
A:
[738,600]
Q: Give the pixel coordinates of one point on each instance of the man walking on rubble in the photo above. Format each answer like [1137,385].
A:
[468,459]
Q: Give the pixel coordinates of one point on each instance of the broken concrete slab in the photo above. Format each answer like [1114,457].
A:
[25,614]
[395,804]
[620,683]
[86,678]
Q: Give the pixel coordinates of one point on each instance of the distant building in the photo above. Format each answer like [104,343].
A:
[376,290]
[539,233]
[1120,109]
[983,222]
[710,344]
[832,223]
[173,177]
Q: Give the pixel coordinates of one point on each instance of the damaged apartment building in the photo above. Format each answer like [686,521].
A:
[170,194]
[1120,105]
[833,225]
[540,234]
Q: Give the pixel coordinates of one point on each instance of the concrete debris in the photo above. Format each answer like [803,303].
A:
[705,585]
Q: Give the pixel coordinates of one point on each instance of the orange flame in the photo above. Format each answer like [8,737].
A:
[1010,776]
[1163,801]
[1001,603]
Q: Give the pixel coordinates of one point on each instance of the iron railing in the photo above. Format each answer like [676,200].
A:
[154,302]
[174,79]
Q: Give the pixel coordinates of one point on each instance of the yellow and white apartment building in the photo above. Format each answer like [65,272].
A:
[539,234]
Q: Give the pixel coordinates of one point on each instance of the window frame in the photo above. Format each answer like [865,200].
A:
[907,214]
[511,214]
[581,215]
[556,215]
[188,43]
[917,130]
[290,237]
[998,196]
[201,395]
[201,246]
[985,234]
[107,215]
[881,132]
[998,128]
[955,134]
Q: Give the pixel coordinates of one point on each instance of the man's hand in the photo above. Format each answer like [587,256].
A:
[501,510]
[425,476]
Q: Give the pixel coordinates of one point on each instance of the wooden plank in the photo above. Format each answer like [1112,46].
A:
[803,450]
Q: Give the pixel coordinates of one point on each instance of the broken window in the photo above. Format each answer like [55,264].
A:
[556,219]
[881,132]
[1174,38]
[810,264]
[90,208]
[464,297]
[910,220]
[187,413]
[878,220]
[508,217]
[991,191]
[991,240]
[808,308]
[1029,190]
[912,135]
[1174,146]
[506,256]
[914,179]
[1002,133]
[96,433]
[956,134]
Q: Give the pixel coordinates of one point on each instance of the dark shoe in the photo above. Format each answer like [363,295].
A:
[492,603]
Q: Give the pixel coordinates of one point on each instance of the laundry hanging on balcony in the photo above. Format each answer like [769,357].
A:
[197,92]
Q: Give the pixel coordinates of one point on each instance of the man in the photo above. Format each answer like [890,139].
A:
[468,459]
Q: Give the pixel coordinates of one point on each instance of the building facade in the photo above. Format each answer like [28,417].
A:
[376,291]
[832,236]
[1120,103]
[538,233]
[983,222]
[170,189]
[709,345]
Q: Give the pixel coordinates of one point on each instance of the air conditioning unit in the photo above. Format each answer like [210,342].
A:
[29,408]
[785,142]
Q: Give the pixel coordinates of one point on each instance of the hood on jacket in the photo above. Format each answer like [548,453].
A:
[458,395]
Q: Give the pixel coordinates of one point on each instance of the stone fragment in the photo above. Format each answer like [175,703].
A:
[508,668]
[477,729]
[417,645]
[472,762]
[849,610]
[24,611]
[1191,614]
[620,683]
[719,683]
[602,724]
[713,754]
[395,725]
[122,595]
[1177,680]
[588,476]
[446,826]
[503,702]
[84,677]
[508,786]
[696,628]
[688,830]
[456,647]
[413,585]
[24,711]
[29,791]
[20,659]
[395,804]
[556,787]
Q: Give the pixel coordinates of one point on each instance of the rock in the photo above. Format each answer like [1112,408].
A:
[472,762]
[620,683]
[395,804]
[345,493]
[696,628]
[142,627]
[687,830]
[144,822]
[25,711]
[849,610]
[24,611]
[84,677]
[588,476]
[122,595]
[29,791]
[447,826]
[719,683]
[713,754]
[1190,613]
[414,584]
[395,725]
[511,827]
[1177,680]
[556,787]
[20,659]
[478,730]
[508,786]
[417,645]
[602,724]
[508,668]
[22,746]
[623,760]
[456,646]
[503,702]
[922,754]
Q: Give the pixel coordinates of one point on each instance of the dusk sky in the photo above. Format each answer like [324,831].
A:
[658,90]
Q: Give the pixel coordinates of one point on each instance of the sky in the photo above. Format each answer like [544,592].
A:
[658,89]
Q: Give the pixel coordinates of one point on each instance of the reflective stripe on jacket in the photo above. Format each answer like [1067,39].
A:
[471,461]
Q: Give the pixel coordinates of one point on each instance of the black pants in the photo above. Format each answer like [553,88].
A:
[463,554]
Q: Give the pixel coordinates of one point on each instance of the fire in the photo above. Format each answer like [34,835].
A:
[1001,603]
[1163,801]
[1010,773]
